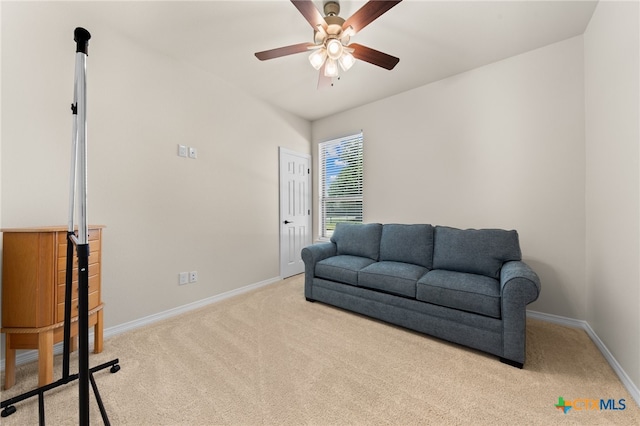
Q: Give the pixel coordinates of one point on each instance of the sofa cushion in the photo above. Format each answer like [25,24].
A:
[357,239]
[391,277]
[476,251]
[343,269]
[408,244]
[459,290]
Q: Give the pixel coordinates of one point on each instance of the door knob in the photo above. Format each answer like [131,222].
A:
[286,222]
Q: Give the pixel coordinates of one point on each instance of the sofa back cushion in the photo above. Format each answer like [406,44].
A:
[358,239]
[408,244]
[476,251]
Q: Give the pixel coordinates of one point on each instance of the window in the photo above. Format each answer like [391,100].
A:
[340,182]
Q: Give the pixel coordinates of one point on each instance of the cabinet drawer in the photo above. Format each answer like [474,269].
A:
[94,255]
[94,269]
[94,285]
[94,234]
[94,301]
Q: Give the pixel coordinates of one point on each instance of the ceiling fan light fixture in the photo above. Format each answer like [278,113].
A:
[317,58]
[334,48]
[331,68]
[346,61]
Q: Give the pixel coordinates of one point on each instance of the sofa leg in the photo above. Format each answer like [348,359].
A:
[310,300]
[511,363]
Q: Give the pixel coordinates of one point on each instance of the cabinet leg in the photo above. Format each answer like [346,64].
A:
[9,363]
[73,344]
[45,357]
[97,333]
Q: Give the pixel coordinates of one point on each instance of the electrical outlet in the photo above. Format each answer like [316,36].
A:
[193,153]
[193,276]
[182,151]
[184,278]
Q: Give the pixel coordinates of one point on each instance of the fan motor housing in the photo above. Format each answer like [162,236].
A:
[331,8]
[334,22]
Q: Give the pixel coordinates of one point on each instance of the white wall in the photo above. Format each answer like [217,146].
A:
[500,146]
[164,214]
[612,46]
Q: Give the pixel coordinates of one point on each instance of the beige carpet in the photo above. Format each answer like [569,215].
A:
[269,357]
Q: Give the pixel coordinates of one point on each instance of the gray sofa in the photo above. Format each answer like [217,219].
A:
[466,286]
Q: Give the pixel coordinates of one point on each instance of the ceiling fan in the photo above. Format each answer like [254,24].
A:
[331,47]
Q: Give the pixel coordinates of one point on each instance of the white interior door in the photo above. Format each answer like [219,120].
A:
[295,210]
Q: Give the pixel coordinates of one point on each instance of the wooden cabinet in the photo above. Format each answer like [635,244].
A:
[33,290]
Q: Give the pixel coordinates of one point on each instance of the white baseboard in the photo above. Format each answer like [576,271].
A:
[132,325]
[24,357]
[570,322]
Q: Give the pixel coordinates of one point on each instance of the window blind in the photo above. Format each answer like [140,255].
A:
[341,183]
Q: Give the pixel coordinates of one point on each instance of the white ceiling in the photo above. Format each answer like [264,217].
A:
[433,39]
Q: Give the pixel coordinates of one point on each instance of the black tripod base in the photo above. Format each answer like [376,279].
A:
[9,408]
[8,411]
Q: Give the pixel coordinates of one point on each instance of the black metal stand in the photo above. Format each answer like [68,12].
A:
[79,153]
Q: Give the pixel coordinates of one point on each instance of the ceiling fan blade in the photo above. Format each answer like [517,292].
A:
[283,51]
[323,80]
[368,13]
[373,56]
[310,13]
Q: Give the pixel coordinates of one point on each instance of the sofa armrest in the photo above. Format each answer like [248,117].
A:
[522,277]
[519,286]
[316,252]
[310,256]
